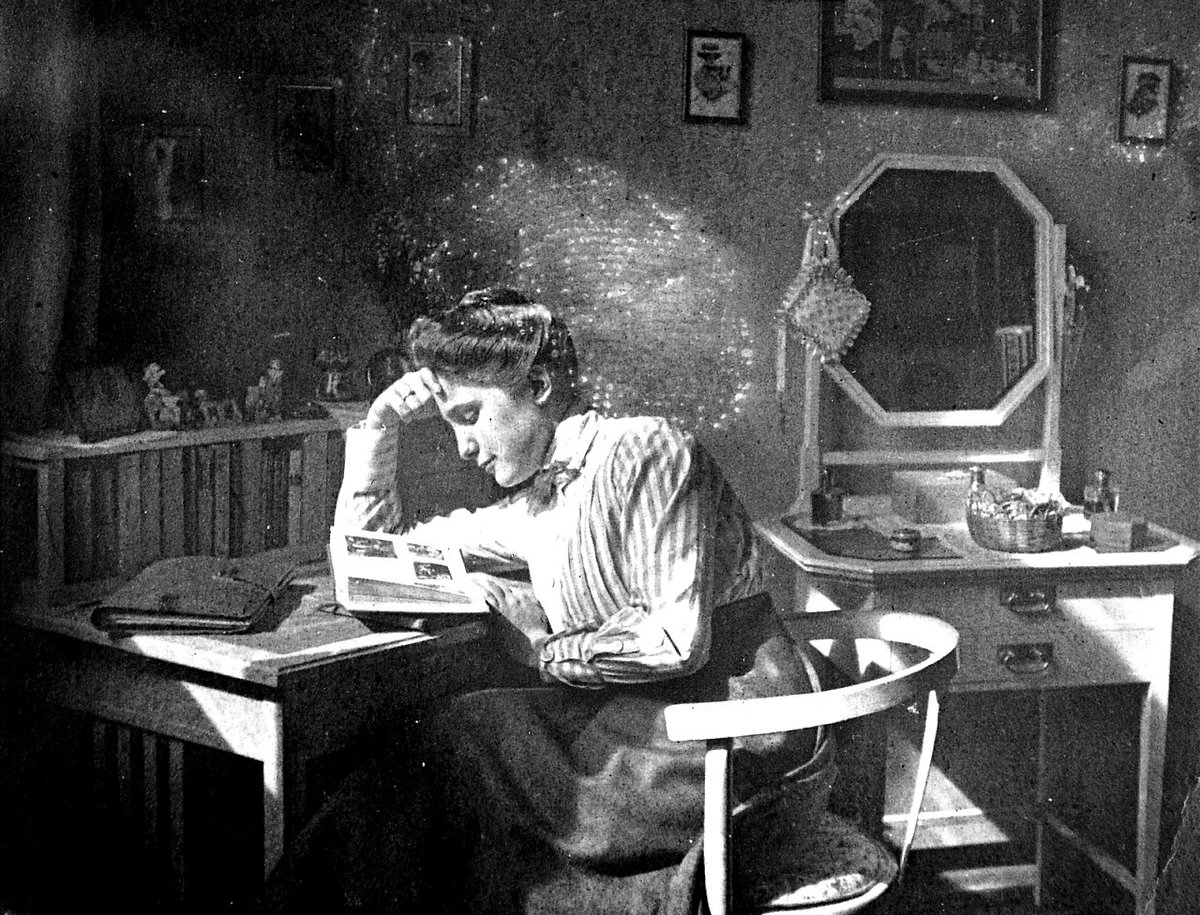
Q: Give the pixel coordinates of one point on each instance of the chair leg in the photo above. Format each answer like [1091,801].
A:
[924,764]
[717,863]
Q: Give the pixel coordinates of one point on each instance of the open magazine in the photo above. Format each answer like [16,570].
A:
[392,578]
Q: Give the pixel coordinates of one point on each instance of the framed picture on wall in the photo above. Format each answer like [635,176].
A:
[714,77]
[1145,100]
[305,126]
[170,174]
[983,54]
[437,82]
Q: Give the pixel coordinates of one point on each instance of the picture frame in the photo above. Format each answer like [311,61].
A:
[714,77]
[438,77]
[1144,117]
[170,171]
[305,126]
[997,55]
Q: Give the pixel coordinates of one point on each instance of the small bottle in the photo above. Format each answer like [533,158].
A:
[978,493]
[827,501]
[978,481]
[1101,495]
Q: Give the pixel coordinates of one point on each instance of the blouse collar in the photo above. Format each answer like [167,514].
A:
[573,439]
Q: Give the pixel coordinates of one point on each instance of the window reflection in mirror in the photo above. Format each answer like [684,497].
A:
[948,262]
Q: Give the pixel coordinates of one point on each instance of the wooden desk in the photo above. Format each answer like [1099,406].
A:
[312,685]
[1105,620]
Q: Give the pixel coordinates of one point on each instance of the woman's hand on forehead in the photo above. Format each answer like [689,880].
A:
[411,397]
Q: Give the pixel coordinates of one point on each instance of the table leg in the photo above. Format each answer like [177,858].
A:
[1151,752]
[274,793]
[285,788]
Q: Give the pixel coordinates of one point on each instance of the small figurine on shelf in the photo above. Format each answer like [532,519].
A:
[161,405]
[272,385]
[170,413]
[228,412]
[333,361]
[189,415]
[264,401]
[206,410]
[255,411]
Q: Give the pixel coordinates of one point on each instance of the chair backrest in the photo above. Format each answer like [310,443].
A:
[829,633]
[864,647]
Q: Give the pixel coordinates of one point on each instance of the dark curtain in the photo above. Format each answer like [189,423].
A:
[49,182]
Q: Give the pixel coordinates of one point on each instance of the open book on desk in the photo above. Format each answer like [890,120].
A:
[390,579]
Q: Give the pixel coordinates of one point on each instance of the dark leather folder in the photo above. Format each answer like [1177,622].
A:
[196,594]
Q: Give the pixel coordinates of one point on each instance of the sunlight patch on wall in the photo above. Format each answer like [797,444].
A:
[658,305]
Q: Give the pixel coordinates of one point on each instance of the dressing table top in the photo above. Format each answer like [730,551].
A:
[1167,555]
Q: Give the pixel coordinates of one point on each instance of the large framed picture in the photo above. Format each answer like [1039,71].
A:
[437,82]
[983,54]
[305,126]
[714,77]
[1145,100]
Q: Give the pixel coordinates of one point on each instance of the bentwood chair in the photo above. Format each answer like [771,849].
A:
[892,660]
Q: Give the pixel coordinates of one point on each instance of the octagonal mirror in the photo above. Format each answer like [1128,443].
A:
[956,256]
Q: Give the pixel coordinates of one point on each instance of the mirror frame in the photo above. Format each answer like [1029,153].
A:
[1047,241]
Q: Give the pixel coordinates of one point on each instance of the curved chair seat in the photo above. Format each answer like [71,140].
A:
[892,660]
[836,864]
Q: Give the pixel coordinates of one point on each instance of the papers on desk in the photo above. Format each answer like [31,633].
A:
[386,578]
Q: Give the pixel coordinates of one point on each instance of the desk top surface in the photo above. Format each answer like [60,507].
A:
[1167,555]
[300,634]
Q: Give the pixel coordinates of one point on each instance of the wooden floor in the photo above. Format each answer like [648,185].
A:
[957,882]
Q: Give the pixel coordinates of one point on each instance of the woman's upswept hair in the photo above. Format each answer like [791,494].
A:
[495,336]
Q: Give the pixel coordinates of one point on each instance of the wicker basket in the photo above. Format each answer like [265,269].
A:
[1025,535]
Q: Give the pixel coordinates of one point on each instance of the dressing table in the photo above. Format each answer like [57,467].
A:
[960,363]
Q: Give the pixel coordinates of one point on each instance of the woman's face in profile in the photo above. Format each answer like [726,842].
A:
[505,433]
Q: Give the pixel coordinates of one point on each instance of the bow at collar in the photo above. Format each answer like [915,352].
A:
[545,485]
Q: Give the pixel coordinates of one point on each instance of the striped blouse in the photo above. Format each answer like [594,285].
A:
[627,562]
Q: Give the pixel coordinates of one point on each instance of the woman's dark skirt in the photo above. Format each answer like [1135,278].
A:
[551,799]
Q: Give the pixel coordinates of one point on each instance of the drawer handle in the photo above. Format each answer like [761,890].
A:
[1026,660]
[1029,601]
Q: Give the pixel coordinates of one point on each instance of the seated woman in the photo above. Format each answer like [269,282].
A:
[563,794]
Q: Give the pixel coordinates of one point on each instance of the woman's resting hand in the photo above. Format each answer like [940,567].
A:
[411,397]
[522,623]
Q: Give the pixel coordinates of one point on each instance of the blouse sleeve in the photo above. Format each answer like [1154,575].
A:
[368,500]
[657,533]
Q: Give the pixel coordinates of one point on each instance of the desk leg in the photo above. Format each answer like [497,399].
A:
[274,789]
[285,788]
[1151,752]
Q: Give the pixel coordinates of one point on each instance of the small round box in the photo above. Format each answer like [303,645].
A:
[905,540]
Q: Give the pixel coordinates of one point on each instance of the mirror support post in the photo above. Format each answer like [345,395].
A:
[810,451]
[1051,475]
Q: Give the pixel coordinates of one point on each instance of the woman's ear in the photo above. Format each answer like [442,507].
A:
[541,384]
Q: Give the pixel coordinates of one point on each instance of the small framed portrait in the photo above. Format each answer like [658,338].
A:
[1145,100]
[305,126]
[714,77]
[171,174]
[437,83]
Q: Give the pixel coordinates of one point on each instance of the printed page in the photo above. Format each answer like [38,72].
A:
[380,572]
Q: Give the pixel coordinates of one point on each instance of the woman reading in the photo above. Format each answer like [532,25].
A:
[639,569]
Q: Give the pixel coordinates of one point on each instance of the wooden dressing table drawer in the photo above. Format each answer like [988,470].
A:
[1038,634]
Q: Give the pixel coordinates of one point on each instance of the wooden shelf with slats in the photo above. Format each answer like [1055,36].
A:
[81,516]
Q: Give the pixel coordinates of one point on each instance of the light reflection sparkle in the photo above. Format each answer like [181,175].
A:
[656,300]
